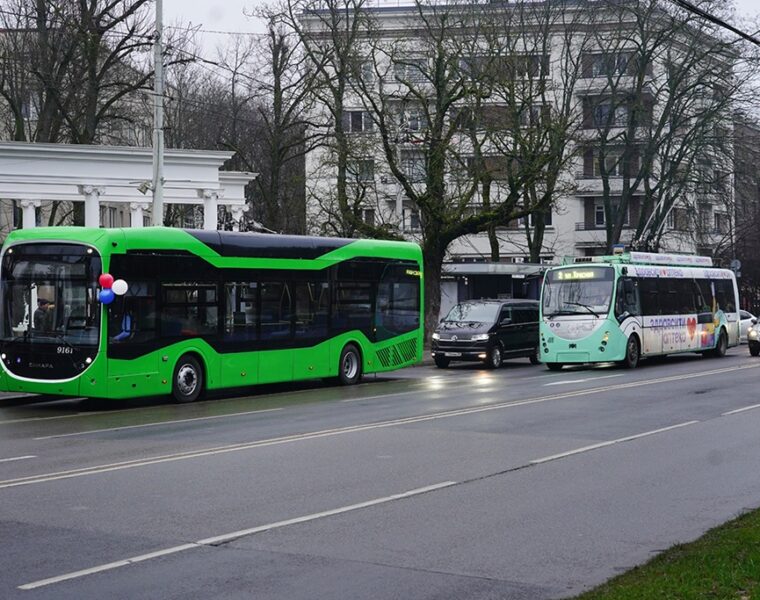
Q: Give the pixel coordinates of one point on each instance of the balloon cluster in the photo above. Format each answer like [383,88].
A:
[110,288]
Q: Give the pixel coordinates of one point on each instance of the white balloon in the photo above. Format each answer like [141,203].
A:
[120,287]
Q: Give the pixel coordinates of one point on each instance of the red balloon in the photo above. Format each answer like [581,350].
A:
[105,281]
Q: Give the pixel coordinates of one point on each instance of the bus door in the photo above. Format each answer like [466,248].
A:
[276,326]
[628,306]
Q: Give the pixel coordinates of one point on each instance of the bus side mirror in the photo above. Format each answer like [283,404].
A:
[623,316]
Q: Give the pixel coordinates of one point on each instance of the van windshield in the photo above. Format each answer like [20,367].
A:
[480,312]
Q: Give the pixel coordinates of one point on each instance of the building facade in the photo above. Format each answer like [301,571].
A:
[637,154]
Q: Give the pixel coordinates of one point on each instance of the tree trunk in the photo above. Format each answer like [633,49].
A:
[433,263]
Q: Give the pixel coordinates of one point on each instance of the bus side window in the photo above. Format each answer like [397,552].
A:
[132,317]
[627,298]
[650,300]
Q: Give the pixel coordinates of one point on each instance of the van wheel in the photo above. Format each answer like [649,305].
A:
[722,346]
[187,381]
[350,365]
[754,350]
[632,353]
[535,358]
[554,366]
[494,359]
[441,362]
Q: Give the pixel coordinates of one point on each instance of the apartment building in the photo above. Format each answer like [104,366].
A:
[636,155]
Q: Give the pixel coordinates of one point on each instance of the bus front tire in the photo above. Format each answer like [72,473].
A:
[632,353]
[441,362]
[554,366]
[721,346]
[350,365]
[187,381]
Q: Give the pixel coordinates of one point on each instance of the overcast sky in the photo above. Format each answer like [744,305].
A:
[228,15]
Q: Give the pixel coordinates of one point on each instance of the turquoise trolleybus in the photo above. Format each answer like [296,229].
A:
[630,306]
[119,313]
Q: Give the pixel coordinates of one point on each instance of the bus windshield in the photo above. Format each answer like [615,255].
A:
[50,295]
[582,290]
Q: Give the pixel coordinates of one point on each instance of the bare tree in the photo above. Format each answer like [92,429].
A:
[661,86]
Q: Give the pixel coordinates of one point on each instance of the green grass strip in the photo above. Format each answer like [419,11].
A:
[722,564]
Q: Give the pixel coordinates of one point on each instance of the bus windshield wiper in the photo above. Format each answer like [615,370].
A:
[586,306]
[560,313]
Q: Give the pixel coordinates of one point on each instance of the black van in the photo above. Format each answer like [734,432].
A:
[487,331]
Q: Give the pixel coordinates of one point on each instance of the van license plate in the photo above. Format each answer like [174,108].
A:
[452,354]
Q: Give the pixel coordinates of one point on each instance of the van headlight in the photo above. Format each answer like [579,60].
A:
[751,334]
[480,337]
[436,336]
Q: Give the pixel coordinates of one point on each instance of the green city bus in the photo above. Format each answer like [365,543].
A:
[200,310]
[625,307]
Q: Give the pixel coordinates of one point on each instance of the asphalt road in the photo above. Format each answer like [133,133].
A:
[457,484]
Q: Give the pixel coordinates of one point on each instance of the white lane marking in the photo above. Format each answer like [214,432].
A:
[740,410]
[97,469]
[629,438]
[248,412]
[227,537]
[2,460]
[568,381]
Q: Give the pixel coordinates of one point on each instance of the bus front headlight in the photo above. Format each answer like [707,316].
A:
[436,336]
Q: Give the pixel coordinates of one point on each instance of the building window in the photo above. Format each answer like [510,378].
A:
[357,121]
[600,219]
[411,220]
[605,112]
[413,165]
[613,165]
[721,223]
[363,72]
[362,170]
[368,216]
[411,70]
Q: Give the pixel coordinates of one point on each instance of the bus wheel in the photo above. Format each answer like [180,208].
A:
[554,366]
[441,362]
[350,366]
[187,382]
[722,346]
[632,353]
[535,358]
[494,358]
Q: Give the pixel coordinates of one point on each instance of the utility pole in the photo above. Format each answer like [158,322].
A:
[158,118]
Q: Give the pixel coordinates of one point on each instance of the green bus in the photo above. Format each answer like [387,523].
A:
[625,307]
[201,310]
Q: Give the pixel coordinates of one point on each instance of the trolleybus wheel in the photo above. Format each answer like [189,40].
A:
[187,381]
[350,365]
[554,366]
[632,353]
[441,362]
[722,346]
[494,358]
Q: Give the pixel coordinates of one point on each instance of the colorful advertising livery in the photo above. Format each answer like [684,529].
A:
[630,306]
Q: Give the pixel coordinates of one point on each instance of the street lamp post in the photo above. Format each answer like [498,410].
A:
[158,119]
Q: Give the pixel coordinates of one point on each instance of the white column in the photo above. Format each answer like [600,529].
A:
[29,214]
[237,216]
[136,210]
[92,194]
[210,208]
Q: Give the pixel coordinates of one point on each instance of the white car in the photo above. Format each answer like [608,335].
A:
[746,321]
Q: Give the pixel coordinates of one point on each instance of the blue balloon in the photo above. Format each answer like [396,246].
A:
[106,296]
